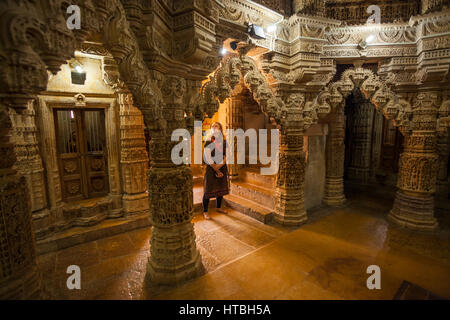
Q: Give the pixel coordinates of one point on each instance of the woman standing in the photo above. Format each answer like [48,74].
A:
[216,175]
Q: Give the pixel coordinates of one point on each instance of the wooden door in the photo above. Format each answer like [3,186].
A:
[81,153]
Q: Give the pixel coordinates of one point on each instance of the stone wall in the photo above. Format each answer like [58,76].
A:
[314,146]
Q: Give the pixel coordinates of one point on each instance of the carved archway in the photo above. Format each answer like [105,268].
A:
[330,102]
[224,80]
[390,104]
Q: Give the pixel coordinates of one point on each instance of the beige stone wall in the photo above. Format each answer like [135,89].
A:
[314,147]
[92,65]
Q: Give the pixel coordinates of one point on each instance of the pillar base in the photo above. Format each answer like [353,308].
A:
[27,287]
[334,201]
[174,257]
[290,209]
[291,220]
[334,192]
[135,203]
[413,212]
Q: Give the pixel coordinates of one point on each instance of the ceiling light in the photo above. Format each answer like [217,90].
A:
[223,51]
[256,31]
[79,69]
[370,38]
[272,28]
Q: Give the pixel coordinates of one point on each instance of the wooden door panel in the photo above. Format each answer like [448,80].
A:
[71,176]
[97,175]
[69,159]
[95,155]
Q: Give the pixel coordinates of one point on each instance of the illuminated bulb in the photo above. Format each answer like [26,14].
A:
[370,38]
[271,28]
[79,69]
[223,51]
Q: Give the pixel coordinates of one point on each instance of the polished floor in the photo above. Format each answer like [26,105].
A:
[244,259]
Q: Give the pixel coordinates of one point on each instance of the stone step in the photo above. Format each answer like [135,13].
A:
[249,208]
[260,195]
[198,180]
[253,176]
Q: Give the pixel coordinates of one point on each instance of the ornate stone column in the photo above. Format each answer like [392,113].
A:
[19,276]
[377,137]
[418,168]
[174,257]
[133,153]
[235,121]
[335,153]
[289,195]
[133,156]
[29,164]
[290,183]
[443,151]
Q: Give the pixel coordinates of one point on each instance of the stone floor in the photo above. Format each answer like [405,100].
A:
[325,259]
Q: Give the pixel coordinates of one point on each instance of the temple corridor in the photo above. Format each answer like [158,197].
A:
[334,170]
[245,259]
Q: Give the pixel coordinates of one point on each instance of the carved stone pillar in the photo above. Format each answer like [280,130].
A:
[377,137]
[133,156]
[235,121]
[361,128]
[289,196]
[174,257]
[49,153]
[335,156]
[19,276]
[29,164]
[443,151]
[418,168]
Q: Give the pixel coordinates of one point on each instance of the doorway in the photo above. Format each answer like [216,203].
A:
[82,156]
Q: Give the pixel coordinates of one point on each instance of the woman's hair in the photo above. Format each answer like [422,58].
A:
[219,124]
[209,136]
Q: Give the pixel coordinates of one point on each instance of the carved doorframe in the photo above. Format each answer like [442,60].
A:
[45,118]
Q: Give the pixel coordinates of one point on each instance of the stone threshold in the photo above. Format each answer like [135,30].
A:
[79,235]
